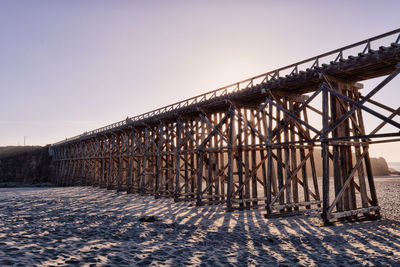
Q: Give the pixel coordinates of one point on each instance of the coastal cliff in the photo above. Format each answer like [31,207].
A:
[24,165]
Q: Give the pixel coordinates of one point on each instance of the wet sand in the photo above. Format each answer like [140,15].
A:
[84,226]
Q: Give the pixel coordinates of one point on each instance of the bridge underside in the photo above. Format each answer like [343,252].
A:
[252,148]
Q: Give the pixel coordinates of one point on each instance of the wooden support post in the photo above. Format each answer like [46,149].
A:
[279,158]
[293,159]
[103,163]
[304,171]
[325,158]
[110,163]
[192,146]
[177,161]
[139,171]
[158,162]
[120,141]
[287,160]
[222,162]
[230,162]
[246,158]
[239,163]
[200,162]
[131,161]
[368,168]
[187,172]
[144,164]
[269,154]
[210,172]
[254,180]
[338,182]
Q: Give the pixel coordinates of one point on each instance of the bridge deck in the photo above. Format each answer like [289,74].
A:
[297,78]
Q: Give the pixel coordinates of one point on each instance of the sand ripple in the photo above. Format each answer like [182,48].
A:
[94,227]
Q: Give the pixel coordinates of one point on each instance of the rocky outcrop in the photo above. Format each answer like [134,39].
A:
[394,172]
[379,167]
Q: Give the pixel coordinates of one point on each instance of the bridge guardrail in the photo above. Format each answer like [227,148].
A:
[331,57]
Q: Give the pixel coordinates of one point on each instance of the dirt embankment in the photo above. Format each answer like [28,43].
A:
[24,165]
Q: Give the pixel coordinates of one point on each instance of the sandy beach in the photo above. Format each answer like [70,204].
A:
[85,226]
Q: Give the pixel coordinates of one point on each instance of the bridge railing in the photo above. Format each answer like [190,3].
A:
[313,63]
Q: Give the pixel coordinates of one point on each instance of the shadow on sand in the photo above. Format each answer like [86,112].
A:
[91,226]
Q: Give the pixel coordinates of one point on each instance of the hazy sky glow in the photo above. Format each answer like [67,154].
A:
[72,66]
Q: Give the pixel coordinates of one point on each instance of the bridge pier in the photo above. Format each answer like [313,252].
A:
[243,155]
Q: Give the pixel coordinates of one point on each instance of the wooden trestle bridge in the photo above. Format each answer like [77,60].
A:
[251,144]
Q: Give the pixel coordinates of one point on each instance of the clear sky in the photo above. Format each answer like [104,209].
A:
[67,67]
